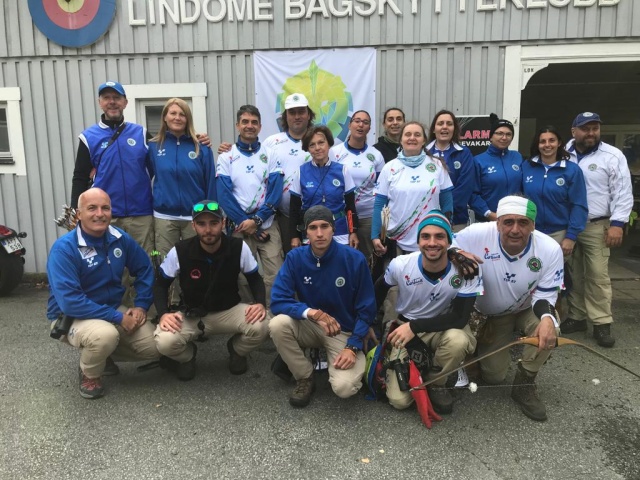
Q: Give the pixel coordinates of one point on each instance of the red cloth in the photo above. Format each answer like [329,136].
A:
[421,397]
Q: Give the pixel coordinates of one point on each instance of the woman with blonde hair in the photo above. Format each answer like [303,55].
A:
[183,174]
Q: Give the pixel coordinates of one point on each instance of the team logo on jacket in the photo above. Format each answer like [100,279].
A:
[528,179]
[412,281]
[162,152]
[593,167]
[457,165]
[516,168]
[431,167]
[534,264]
[307,280]
[370,157]
[131,142]
[559,275]
[250,169]
[263,158]
[192,155]
[117,253]
[456,281]
[336,182]
[560,182]
[340,281]
[415,178]
[195,274]
[491,170]
[490,256]
[104,145]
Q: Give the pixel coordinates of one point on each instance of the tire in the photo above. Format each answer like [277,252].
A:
[11,270]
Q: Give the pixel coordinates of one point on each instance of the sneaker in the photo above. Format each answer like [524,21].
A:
[441,399]
[110,368]
[571,326]
[237,363]
[90,387]
[301,395]
[187,371]
[281,369]
[602,334]
[525,393]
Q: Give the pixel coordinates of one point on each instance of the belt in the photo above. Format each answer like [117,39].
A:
[597,219]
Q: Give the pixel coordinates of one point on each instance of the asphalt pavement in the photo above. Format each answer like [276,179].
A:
[219,426]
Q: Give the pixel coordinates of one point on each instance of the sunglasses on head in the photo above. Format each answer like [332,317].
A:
[210,207]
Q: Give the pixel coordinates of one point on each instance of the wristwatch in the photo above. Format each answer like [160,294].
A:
[258,220]
[352,348]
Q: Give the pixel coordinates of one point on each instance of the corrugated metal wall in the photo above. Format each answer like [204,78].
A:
[424,63]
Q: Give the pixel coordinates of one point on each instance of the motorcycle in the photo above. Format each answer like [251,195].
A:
[11,259]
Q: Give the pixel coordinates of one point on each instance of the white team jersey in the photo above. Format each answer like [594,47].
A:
[364,168]
[171,267]
[412,192]
[249,175]
[513,284]
[421,297]
[289,156]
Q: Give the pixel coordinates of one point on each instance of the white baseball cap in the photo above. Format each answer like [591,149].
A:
[295,100]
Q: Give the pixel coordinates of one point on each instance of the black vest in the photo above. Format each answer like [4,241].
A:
[199,269]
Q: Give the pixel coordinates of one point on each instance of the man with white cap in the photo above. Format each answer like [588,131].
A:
[610,201]
[522,274]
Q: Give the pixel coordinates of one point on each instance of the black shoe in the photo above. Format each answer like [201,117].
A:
[571,326]
[237,363]
[301,395]
[441,399]
[187,371]
[602,334]
[281,369]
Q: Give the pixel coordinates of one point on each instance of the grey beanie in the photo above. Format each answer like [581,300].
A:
[318,212]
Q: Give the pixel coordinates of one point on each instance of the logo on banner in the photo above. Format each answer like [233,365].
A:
[73,23]
[327,95]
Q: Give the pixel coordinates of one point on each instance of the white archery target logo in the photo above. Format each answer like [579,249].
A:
[192,155]
[560,182]
[117,253]
[131,142]
[340,281]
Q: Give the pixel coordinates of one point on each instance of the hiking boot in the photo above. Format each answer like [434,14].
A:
[525,393]
[90,387]
[166,363]
[301,395]
[110,368]
[237,363]
[571,325]
[441,399]
[281,369]
[602,334]
[187,371]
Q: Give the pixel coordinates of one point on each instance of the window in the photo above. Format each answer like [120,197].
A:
[12,158]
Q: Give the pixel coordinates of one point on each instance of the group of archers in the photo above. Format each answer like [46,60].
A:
[315,213]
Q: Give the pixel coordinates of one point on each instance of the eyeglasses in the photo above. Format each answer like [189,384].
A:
[504,134]
[211,207]
[359,121]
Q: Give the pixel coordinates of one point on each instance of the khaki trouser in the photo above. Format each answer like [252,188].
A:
[497,332]
[99,339]
[292,336]
[141,230]
[247,336]
[590,297]
[269,255]
[450,347]
[364,237]
[167,234]
[285,232]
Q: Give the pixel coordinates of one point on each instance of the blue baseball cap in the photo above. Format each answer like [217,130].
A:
[115,86]
[586,117]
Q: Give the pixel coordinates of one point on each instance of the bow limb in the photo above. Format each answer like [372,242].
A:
[567,341]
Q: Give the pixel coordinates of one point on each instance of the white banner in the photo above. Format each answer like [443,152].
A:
[337,83]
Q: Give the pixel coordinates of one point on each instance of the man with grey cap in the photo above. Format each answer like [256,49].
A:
[610,201]
[210,303]
[522,273]
[322,297]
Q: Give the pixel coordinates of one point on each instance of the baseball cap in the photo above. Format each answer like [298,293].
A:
[207,206]
[295,100]
[586,117]
[113,86]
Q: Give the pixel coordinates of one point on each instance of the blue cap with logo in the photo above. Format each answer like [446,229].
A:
[586,117]
[115,86]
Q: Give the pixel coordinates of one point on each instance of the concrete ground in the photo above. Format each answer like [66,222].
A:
[218,426]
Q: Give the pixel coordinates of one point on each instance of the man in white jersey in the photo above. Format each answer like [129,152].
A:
[610,200]
[434,306]
[522,274]
[249,191]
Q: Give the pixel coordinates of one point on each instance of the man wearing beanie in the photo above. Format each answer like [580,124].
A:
[434,306]
[522,274]
[610,201]
[322,297]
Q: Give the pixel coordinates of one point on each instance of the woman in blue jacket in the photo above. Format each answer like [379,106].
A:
[556,185]
[498,170]
[444,135]
[184,174]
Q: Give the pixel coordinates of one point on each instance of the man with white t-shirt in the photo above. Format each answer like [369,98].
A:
[522,273]
[434,307]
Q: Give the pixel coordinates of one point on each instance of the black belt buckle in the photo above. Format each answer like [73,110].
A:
[597,219]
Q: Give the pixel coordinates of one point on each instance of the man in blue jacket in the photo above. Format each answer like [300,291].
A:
[322,297]
[85,270]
